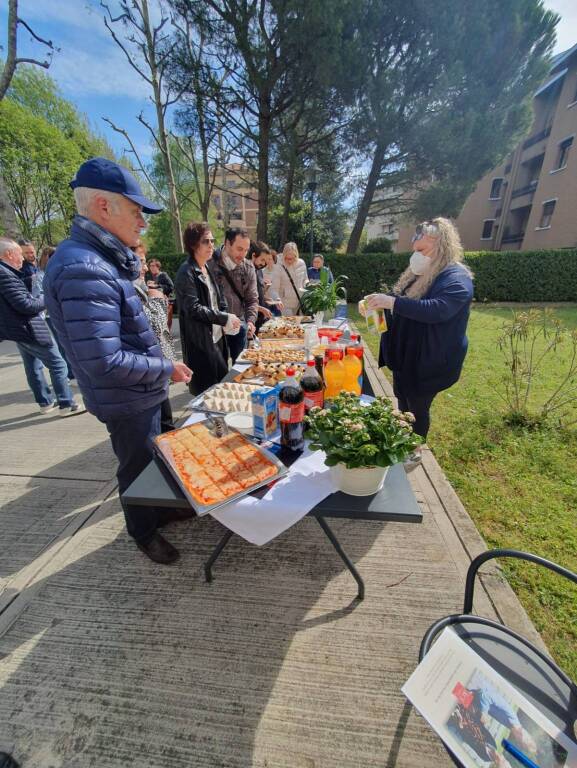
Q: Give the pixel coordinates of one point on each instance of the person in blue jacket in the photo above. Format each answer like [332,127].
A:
[101,324]
[427,314]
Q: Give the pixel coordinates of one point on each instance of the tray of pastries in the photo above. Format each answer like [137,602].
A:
[267,354]
[269,374]
[226,397]
[212,470]
[281,328]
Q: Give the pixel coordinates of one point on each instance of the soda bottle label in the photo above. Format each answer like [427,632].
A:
[291,413]
[313,399]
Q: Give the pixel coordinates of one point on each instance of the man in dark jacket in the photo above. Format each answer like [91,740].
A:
[101,324]
[236,278]
[21,321]
[29,265]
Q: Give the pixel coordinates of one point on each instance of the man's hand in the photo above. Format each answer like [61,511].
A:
[380,301]
[250,329]
[266,313]
[181,372]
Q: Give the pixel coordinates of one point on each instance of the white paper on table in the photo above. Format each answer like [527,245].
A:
[288,501]
[194,419]
[241,367]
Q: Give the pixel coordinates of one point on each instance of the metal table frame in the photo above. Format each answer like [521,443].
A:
[394,503]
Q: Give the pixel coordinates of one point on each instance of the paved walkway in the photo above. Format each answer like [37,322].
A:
[109,660]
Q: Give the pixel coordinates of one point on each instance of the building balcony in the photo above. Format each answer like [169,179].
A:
[528,189]
[517,238]
[537,137]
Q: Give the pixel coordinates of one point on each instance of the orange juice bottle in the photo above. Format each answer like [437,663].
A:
[334,375]
[353,370]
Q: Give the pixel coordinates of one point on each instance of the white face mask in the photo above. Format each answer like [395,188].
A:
[419,263]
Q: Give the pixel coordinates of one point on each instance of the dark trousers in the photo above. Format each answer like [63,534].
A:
[237,343]
[132,444]
[418,405]
[166,421]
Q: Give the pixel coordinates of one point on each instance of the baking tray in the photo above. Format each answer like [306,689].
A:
[204,509]
[299,352]
[197,403]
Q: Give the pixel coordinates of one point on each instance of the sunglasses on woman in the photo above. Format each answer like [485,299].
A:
[426,228]
[207,241]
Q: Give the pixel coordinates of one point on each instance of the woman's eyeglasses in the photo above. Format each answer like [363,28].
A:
[207,241]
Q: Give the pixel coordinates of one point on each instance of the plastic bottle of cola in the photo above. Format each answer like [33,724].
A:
[291,413]
[313,387]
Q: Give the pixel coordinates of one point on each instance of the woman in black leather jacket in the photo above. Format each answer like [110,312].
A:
[202,312]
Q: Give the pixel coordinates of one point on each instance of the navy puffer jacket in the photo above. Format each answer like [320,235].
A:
[101,325]
[20,318]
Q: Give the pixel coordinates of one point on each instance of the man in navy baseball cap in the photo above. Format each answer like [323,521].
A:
[100,322]
[100,173]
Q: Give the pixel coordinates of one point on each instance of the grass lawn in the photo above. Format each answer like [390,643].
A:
[519,486]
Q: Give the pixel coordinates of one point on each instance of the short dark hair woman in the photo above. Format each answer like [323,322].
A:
[202,311]
[427,314]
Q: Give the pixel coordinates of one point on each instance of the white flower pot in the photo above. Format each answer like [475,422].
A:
[319,317]
[363,481]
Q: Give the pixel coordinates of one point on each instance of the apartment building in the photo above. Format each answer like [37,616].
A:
[235,197]
[386,222]
[530,201]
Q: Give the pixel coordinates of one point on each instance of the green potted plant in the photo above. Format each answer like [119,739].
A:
[361,441]
[323,296]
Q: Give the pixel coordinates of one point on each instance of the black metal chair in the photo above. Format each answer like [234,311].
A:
[523,665]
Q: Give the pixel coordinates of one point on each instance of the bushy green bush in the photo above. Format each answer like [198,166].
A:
[523,276]
[378,245]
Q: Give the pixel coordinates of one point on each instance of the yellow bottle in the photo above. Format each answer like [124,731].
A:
[353,370]
[334,375]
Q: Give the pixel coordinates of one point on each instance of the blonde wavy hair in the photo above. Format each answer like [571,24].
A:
[449,251]
[291,247]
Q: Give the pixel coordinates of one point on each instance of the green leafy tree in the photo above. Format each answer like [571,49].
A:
[299,228]
[445,94]
[37,162]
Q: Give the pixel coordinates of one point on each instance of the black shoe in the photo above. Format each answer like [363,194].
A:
[159,550]
[167,516]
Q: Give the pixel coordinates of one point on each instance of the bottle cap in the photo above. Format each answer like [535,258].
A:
[310,363]
[290,371]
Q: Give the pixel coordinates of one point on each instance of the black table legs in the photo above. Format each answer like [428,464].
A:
[341,553]
[215,554]
[330,536]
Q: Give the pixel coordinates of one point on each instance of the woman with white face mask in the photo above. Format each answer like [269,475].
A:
[427,313]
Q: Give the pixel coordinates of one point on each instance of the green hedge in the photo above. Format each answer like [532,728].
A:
[522,276]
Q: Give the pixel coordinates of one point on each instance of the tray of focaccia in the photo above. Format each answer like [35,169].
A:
[212,471]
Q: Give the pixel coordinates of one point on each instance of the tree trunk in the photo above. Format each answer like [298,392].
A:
[173,205]
[10,65]
[365,204]
[263,165]
[288,196]
[8,222]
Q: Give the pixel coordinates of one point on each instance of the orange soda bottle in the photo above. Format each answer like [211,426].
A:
[353,370]
[334,375]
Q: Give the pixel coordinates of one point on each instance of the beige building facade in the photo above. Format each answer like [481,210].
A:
[235,198]
[529,202]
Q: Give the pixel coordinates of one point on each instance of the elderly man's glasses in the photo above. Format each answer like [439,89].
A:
[207,241]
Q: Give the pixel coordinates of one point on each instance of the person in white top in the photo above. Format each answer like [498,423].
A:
[290,279]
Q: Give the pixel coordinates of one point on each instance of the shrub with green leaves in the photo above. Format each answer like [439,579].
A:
[521,276]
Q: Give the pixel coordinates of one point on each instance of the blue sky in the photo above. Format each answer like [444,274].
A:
[93,73]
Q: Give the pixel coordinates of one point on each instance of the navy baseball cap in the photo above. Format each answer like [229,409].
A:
[100,173]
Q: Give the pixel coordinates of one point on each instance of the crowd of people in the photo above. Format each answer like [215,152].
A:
[95,311]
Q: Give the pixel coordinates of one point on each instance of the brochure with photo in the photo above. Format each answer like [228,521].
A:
[483,720]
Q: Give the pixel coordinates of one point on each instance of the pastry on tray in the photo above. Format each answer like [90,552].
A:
[213,469]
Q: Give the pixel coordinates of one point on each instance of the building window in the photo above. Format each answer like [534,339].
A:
[496,189]
[547,214]
[563,154]
[487,233]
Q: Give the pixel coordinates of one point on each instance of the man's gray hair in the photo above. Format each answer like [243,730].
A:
[7,244]
[84,196]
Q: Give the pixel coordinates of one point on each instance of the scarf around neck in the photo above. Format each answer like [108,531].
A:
[121,254]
